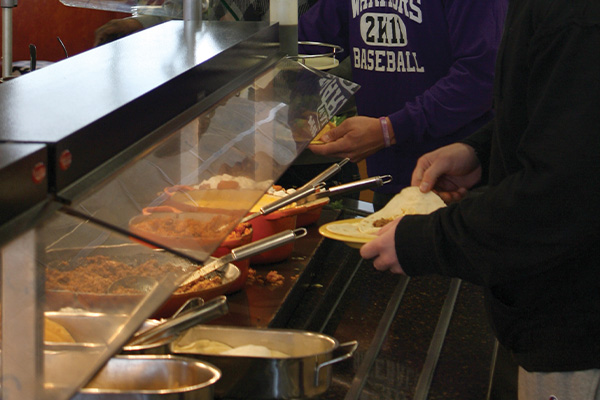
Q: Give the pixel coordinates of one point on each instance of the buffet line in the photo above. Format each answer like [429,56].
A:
[238,354]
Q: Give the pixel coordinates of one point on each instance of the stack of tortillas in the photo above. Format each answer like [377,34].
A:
[408,202]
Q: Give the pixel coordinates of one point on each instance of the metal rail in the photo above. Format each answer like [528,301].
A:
[382,329]
[7,37]
[435,347]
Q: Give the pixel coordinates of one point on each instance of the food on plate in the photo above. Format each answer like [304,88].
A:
[408,202]
[94,274]
[206,346]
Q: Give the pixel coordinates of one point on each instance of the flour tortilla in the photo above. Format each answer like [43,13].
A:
[409,201]
[347,229]
[55,332]
[205,346]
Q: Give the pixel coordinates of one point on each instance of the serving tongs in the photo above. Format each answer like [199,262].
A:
[309,188]
[285,200]
[246,251]
[167,331]
[351,187]
[328,173]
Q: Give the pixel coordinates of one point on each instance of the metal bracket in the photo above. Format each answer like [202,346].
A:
[8,3]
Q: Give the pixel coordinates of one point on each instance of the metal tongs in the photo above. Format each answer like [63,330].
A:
[286,200]
[247,251]
[367,183]
[328,173]
[167,331]
[309,188]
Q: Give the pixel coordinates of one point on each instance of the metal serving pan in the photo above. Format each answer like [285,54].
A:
[149,377]
[305,373]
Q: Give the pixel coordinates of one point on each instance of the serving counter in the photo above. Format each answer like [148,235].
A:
[216,114]
[420,338]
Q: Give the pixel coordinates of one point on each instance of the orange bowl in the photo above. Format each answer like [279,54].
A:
[311,212]
[270,224]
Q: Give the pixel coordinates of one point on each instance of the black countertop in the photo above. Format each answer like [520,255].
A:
[329,288]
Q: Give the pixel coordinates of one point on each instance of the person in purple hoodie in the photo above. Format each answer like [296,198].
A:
[425,70]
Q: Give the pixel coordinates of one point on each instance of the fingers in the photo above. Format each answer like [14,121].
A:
[342,148]
[334,149]
[382,249]
[383,261]
[356,138]
[333,134]
[452,196]
[368,251]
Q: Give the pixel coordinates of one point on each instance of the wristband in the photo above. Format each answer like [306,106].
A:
[386,131]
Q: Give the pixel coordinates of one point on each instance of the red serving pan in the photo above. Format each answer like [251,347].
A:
[147,226]
[101,302]
[270,224]
[311,212]
[242,234]
[187,199]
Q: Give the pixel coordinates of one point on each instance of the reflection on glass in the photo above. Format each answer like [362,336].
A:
[191,190]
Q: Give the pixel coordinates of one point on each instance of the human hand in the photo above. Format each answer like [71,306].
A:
[115,29]
[355,138]
[450,171]
[382,249]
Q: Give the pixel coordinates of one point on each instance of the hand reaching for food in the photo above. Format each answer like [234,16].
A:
[355,138]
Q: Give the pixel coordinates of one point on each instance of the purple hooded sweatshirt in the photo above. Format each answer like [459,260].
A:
[427,64]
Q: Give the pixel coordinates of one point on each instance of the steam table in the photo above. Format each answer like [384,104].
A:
[329,288]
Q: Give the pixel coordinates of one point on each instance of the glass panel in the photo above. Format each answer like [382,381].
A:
[192,189]
[60,318]
[164,8]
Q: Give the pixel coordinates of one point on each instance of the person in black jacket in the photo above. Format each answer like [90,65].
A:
[531,236]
